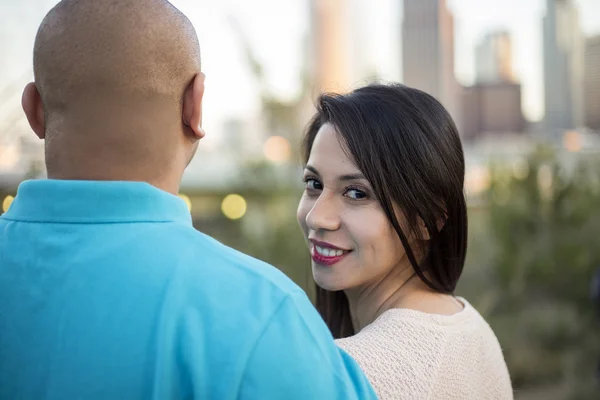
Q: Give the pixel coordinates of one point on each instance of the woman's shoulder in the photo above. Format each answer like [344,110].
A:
[400,328]
[400,320]
[402,332]
[397,354]
[409,347]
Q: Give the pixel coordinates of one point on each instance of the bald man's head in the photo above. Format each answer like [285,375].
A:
[120,77]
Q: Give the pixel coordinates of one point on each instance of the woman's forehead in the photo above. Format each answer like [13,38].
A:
[329,152]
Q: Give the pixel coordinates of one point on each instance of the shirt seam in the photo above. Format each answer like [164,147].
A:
[259,337]
[279,306]
[334,370]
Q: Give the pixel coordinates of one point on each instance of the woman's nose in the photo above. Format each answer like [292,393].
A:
[324,214]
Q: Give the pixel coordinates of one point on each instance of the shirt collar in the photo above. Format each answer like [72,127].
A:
[63,201]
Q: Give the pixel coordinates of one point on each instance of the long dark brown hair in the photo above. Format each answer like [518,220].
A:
[408,147]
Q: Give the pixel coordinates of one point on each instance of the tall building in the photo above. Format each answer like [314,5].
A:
[339,44]
[493,105]
[330,44]
[493,57]
[563,66]
[592,83]
[428,51]
[492,109]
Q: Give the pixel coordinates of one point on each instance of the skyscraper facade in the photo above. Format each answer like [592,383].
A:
[563,66]
[493,58]
[428,51]
[592,83]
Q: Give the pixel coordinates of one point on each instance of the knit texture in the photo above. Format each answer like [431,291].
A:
[408,354]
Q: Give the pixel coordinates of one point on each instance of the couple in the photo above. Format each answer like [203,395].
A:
[107,291]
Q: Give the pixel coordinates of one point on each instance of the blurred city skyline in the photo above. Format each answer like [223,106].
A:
[276,30]
[287,38]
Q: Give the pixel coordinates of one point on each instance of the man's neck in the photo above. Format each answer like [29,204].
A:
[108,156]
[163,183]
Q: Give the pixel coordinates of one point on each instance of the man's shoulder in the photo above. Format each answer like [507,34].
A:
[210,282]
[204,257]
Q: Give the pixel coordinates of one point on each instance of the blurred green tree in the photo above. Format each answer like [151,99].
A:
[545,225]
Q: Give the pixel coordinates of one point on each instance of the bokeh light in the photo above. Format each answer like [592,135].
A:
[572,141]
[187,201]
[277,149]
[234,206]
[7,202]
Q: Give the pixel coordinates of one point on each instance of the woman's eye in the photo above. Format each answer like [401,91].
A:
[313,184]
[356,194]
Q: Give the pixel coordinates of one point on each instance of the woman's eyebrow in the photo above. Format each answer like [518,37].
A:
[352,177]
[343,178]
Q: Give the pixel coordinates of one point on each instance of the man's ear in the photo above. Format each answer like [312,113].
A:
[31,101]
[192,106]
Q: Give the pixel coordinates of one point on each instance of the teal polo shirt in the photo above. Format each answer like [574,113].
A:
[108,292]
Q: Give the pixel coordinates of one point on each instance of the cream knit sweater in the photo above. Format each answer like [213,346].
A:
[412,355]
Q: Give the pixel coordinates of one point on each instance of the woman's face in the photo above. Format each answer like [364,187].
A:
[351,241]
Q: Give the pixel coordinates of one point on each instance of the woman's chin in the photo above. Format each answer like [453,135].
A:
[329,282]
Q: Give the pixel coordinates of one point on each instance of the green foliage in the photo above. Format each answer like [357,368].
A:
[545,224]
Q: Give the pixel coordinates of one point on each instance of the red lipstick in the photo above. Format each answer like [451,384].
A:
[326,254]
